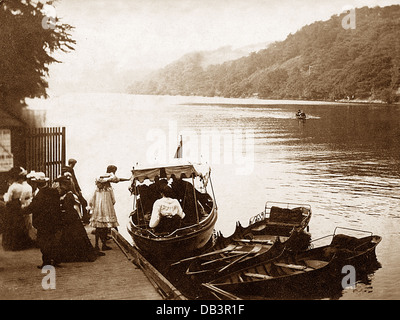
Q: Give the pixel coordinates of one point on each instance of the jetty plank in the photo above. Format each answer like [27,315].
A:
[110,277]
[164,287]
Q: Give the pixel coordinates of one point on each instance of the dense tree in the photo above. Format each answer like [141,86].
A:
[28,40]
[322,60]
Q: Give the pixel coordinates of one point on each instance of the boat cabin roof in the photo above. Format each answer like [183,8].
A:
[179,171]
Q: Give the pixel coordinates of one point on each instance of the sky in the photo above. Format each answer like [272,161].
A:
[119,39]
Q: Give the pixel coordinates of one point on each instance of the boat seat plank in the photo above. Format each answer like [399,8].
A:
[293,266]
[263,241]
[282,224]
[257,275]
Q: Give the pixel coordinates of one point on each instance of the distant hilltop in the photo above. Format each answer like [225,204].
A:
[322,61]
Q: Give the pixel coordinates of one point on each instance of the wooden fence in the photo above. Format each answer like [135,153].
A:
[46,150]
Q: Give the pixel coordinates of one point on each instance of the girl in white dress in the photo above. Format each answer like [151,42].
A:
[102,206]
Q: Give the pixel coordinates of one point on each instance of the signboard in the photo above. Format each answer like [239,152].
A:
[6,157]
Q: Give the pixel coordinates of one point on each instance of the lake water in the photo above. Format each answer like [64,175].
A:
[344,160]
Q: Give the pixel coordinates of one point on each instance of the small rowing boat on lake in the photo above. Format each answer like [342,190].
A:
[301,115]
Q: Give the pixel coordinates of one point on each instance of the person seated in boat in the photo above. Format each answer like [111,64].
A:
[147,196]
[159,184]
[185,195]
[156,188]
[144,200]
[167,212]
[179,188]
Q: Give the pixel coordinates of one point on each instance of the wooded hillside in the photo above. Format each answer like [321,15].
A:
[323,61]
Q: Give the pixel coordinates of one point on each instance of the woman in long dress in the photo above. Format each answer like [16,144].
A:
[75,245]
[15,236]
[102,206]
[26,200]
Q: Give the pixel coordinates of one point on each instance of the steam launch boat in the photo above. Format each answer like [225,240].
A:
[175,236]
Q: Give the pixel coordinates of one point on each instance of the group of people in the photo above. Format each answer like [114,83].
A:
[37,214]
[167,207]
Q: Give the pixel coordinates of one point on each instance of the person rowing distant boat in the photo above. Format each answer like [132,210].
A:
[300,114]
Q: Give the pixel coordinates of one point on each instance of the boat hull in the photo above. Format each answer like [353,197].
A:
[180,244]
[325,281]
[223,264]
[278,284]
[357,252]
[262,225]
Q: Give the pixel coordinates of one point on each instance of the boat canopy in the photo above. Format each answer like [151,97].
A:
[179,171]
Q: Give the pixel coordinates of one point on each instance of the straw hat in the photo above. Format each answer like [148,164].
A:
[31,174]
[40,177]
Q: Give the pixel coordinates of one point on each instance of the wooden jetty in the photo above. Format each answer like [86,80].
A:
[122,274]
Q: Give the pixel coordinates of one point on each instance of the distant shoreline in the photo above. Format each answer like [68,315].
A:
[260,101]
[359,101]
[204,100]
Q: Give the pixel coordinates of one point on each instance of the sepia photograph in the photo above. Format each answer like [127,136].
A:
[225,153]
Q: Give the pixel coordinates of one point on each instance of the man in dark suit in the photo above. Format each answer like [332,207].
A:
[46,218]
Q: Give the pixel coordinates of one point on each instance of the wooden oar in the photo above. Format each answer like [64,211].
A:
[265,241]
[228,248]
[223,258]
[232,254]
[256,249]
[218,291]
